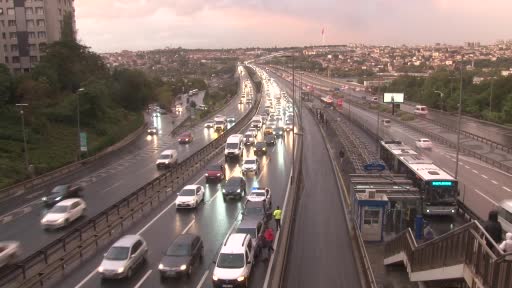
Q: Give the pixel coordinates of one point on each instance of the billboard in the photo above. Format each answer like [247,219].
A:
[393,97]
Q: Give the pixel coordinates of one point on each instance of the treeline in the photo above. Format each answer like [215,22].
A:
[490,99]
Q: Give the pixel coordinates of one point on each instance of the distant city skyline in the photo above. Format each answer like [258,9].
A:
[109,26]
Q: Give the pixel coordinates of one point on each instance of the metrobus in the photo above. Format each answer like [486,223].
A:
[438,188]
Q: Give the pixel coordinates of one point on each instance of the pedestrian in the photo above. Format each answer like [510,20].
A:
[506,246]
[277,217]
[493,228]
[269,237]
[341,154]
[428,233]
[261,245]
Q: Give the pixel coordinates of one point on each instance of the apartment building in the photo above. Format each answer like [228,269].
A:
[26,28]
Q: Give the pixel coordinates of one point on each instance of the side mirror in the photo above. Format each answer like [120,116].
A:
[249,262]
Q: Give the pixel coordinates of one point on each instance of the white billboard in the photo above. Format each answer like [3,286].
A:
[393,97]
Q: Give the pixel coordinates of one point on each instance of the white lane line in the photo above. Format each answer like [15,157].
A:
[475,171]
[20,208]
[188,227]
[484,176]
[203,279]
[143,278]
[86,278]
[494,182]
[467,167]
[35,194]
[116,184]
[507,189]
[485,196]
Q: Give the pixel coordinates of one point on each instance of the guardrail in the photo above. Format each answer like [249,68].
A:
[465,245]
[22,187]
[40,267]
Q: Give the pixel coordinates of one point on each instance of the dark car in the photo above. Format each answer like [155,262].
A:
[62,192]
[260,148]
[215,172]
[279,132]
[185,138]
[256,210]
[270,139]
[183,254]
[234,188]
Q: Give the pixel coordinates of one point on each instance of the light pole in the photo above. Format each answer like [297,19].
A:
[21,105]
[81,90]
[490,97]
[378,120]
[458,125]
[441,94]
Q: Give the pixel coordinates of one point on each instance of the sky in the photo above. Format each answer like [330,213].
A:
[115,25]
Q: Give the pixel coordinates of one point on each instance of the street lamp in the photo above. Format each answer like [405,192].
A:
[81,90]
[21,105]
[441,94]
[490,97]
[458,125]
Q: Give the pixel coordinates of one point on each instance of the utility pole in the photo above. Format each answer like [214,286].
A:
[78,121]
[458,125]
[21,105]
[490,98]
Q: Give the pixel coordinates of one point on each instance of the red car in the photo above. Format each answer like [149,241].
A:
[185,138]
[215,172]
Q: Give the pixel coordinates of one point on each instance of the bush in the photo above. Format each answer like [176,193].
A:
[407,117]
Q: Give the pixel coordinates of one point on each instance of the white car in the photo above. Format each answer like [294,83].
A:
[251,164]
[123,257]
[190,196]
[209,124]
[9,252]
[424,143]
[261,194]
[63,213]
[254,131]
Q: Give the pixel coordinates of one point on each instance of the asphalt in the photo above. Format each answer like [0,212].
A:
[212,221]
[105,181]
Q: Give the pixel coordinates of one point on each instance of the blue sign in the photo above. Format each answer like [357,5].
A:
[442,183]
[374,167]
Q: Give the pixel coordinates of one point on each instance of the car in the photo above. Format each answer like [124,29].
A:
[279,118]
[424,143]
[167,159]
[288,126]
[152,130]
[260,148]
[269,130]
[123,257]
[215,172]
[386,122]
[261,194]
[63,213]
[234,264]
[234,148]
[249,138]
[252,227]
[190,196]
[219,117]
[420,110]
[256,123]
[202,107]
[254,131]
[185,138]
[256,210]
[279,132]
[375,99]
[62,192]
[270,139]
[209,124]
[185,252]
[220,125]
[231,120]
[10,251]
[251,165]
[272,123]
[234,188]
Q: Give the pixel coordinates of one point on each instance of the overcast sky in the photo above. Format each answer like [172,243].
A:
[114,25]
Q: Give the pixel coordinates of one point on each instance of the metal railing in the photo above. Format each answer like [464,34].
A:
[42,265]
[465,245]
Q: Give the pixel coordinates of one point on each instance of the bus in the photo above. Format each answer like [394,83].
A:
[439,189]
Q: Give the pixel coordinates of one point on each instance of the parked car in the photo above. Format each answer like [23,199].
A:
[190,196]
[9,252]
[424,143]
[261,194]
[235,187]
[234,263]
[256,210]
[185,252]
[63,213]
[185,137]
[260,148]
[215,172]
[62,192]
[123,257]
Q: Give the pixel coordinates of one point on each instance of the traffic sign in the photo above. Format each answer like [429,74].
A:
[83,141]
[374,167]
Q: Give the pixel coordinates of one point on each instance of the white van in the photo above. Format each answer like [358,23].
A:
[167,159]
[234,263]
[420,110]
[234,147]
[386,122]
[505,215]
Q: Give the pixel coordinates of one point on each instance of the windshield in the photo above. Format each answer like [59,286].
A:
[442,195]
[250,231]
[188,192]
[258,193]
[117,253]
[260,145]
[231,261]
[60,189]
[250,162]
[59,209]
[213,167]
[254,210]
[165,156]
[219,122]
[232,146]
[178,249]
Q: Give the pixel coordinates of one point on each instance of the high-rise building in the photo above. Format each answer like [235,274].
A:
[26,28]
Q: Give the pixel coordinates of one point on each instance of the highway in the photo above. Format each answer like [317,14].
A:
[105,181]
[212,221]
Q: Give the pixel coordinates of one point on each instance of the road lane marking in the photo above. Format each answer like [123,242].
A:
[467,167]
[110,187]
[475,171]
[188,227]
[485,196]
[485,176]
[203,279]
[494,182]
[143,278]
[507,189]
[35,194]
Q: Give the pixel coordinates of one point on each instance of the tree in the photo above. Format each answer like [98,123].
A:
[68,32]
[6,84]
[193,104]
[132,89]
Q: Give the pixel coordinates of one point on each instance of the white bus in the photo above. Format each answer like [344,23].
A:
[438,188]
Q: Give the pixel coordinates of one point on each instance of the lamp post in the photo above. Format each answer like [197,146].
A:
[21,105]
[490,97]
[458,125]
[441,94]
[81,90]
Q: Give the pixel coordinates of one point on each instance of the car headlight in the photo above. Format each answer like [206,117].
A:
[183,267]
[44,198]
[100,269]
[238,190]
[160,266]
[58,198]
[218,174]
[240,279]
[215,278]
[61,220]
[120,270]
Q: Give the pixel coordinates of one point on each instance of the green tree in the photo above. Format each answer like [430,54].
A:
[6,84]
[132,89]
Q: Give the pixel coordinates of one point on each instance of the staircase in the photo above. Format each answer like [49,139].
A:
[460,254]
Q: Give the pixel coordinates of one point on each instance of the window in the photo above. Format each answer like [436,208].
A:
[6,59]
[42,47]
[33,59]
[40,23]
[4,36]
[2,22]
[10,11]
[30,23]
[12,35]
[39,11]
[5,48]
[15,59]
[31,35]
[29,11]
[14,48]
[41,34]
[136,247]
[32,47]
[2,11]
[11,23]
